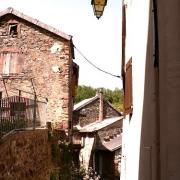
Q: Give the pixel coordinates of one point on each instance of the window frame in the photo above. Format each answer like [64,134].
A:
[13,23]
[10,68]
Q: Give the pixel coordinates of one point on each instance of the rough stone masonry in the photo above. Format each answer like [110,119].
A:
[25,155]
[36,58]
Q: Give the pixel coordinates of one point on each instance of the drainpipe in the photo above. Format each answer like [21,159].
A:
[100,94]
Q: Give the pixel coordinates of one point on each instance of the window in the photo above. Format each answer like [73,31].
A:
[13,28]
[10,62]
[128,99]
[17,109]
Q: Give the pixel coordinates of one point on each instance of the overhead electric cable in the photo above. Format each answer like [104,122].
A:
[92,64]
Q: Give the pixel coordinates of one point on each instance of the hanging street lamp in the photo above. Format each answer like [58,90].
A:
[98,7]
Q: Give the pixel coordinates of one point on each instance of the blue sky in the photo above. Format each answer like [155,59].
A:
[99,40]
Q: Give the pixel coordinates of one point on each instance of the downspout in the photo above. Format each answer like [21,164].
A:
[71,101]
[156,66]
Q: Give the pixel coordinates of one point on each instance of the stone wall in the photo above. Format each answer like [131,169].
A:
[25,155]
[90,113]
[109,111]
[117,162]
[46,68]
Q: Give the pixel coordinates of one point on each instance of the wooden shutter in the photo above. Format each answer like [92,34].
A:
[6,63]
[10,62]
[20,61]
[16,63]
[128,99]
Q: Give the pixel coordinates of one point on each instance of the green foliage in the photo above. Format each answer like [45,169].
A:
[118,106]
[64,166]
[115,97]
[55,153]
[62,159]
[54,175]
[84,92]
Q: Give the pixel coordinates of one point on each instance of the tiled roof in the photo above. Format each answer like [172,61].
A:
[35,22]
[113,144]
[95,126]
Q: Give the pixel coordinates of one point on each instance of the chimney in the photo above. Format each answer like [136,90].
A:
[100,94]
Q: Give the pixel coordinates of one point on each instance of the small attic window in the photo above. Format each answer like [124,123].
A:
[13,30]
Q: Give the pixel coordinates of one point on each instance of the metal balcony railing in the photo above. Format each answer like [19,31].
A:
[18,112]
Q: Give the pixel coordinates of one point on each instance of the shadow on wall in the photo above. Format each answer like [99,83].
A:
[149,132]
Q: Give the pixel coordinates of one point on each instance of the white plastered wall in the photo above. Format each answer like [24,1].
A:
[137,20]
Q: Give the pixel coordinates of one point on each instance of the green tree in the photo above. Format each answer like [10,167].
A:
[84,92]
[115,97]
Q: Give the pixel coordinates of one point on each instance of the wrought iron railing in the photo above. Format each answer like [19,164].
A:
[18,112]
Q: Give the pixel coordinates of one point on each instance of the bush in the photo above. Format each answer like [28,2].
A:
[91,175]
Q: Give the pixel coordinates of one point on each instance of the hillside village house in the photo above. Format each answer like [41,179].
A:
[36,62]
[151,77]
[97,128]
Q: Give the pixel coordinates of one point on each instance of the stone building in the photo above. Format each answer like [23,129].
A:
[97,128]
[36,61]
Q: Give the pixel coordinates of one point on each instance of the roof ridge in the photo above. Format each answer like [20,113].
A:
[36,22]
[84,102]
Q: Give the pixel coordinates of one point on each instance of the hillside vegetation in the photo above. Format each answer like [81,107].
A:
[115,97]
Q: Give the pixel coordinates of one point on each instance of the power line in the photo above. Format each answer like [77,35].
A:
[92,64]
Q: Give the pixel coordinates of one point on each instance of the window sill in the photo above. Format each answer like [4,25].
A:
[10,76]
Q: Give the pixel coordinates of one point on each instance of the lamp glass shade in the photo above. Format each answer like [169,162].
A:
[98,7]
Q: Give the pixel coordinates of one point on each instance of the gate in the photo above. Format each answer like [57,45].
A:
[18,112]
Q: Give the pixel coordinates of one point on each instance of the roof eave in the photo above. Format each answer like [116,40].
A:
[86,103]
[95,130]
[36,22]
